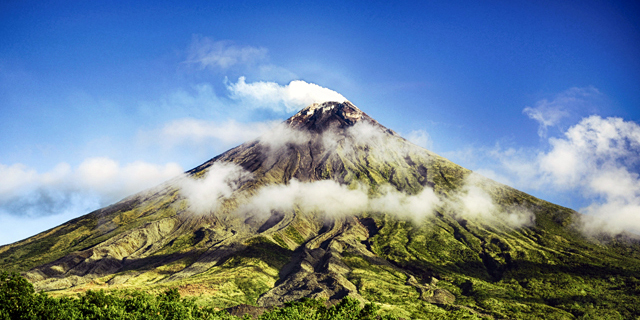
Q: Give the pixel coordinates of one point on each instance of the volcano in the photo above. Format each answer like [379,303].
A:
[332,204]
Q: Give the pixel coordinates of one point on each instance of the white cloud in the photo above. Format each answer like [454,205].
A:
[600,157]
[198,99]
[207,53]
[550,113]
[281,135]
[288,98]
[474,201]
[420,138]
[416,207]
[590,147]
[596,159]
[111,181]
[14,178]
[219,182]
[334,200]
[201,132]
[26,192]
[40,199]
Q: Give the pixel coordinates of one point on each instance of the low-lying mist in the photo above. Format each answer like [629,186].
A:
[332,199]
[472,201]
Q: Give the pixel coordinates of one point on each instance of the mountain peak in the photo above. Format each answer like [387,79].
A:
[320,116]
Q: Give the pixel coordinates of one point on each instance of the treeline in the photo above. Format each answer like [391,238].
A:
[18,300]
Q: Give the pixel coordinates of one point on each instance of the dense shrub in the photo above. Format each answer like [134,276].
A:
[18,300]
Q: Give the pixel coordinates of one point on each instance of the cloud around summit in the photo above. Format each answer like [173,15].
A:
[287,98]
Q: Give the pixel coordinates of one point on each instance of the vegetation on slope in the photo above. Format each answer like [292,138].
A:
[446,265]
[18,300]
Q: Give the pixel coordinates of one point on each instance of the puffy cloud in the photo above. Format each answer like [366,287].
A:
[207,53]
[15,178]
[600,157]
[415,207]
[288,98]
[40,201]
[550,113]
[25,192]
[597,160]
[111,181]
[590,148]
[325,196]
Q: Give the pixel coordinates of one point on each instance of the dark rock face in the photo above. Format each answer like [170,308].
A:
[331,115]
[319,117]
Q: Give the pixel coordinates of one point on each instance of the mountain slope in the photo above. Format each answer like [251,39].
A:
[332,204]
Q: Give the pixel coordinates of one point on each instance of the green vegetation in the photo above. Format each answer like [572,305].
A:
[18,300]
[517,274]
[445,265]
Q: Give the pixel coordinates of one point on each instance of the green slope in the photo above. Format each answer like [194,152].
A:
[414,269]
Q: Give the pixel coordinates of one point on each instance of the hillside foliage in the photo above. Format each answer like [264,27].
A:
[18,300]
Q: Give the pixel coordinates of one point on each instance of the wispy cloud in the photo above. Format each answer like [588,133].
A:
[200,99]
[204,52]
[189,131]
[420,138]
[549,113]
[219,182]
[474,201]
[281,98]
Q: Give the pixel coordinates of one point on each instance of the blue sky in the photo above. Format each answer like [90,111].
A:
[102,99]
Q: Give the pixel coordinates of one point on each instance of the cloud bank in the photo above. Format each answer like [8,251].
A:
[338,200]
[600,157]
[64,192]
[597,159]
[333,199]
[288,98]
[24,191]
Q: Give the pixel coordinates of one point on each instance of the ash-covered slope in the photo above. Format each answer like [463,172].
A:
[329,204]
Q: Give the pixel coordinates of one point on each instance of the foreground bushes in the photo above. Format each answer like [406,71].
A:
[18,300]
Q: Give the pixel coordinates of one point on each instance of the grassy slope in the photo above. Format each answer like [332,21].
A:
[542,271]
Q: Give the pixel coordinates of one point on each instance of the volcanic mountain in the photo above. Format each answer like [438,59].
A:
[332,204]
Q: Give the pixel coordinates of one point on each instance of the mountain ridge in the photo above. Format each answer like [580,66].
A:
[324,206]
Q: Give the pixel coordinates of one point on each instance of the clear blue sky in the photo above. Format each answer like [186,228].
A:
[96,96]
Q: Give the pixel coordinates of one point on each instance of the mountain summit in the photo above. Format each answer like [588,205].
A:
[320,117]
[332,204]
